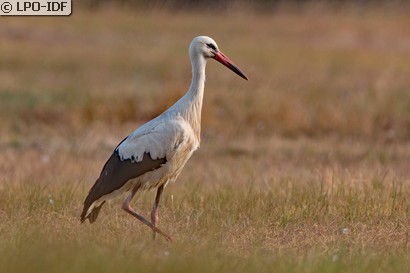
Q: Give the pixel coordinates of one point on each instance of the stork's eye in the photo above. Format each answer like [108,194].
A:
[210,45]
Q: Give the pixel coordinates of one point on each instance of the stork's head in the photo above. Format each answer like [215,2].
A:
[207,47]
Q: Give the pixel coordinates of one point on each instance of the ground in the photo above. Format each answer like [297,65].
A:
[304,168]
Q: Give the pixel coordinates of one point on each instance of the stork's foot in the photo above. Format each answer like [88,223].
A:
[157,230]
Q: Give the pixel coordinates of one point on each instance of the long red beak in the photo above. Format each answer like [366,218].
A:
[220,57]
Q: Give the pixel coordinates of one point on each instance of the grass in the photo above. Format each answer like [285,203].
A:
[302,169]
[283,226]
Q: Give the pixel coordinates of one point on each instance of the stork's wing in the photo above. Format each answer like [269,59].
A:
[144,150]
[161,138]
[115,174]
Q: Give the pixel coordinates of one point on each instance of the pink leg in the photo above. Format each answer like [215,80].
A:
[126,206]
[154,212]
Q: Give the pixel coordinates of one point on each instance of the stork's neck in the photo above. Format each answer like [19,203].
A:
[196,90]
[194,96]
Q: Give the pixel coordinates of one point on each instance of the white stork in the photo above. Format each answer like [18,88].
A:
[155,153]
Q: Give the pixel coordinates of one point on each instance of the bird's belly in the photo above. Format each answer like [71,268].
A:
[167,173]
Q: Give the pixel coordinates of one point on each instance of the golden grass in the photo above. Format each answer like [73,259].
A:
[334,219]
[305,168]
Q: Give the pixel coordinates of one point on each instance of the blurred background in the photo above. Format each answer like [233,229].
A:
[306,165]
[327,73]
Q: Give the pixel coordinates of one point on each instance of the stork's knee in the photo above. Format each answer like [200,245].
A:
[126,205]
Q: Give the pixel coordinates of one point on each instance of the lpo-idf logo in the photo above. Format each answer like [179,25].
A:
[35,7]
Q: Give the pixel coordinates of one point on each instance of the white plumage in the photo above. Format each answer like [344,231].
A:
[155,153]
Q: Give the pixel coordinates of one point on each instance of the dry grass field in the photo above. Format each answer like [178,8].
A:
[305,168]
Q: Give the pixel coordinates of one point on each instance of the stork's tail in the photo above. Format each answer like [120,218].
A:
[92,216]
[89,201]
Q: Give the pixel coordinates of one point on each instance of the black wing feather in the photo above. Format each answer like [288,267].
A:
[114,175]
